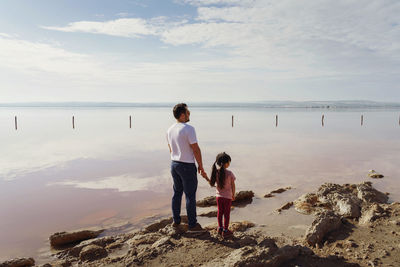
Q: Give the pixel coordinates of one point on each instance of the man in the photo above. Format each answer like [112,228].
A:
[184,150]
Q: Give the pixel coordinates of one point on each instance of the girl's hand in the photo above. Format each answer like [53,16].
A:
[233,197]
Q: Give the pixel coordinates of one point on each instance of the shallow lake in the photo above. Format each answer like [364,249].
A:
[104,173]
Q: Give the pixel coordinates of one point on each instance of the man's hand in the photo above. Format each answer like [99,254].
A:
[200,170]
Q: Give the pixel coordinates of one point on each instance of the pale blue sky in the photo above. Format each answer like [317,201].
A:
[191,50]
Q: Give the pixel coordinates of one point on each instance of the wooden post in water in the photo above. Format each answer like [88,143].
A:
[322,120]
[232,121]
[16,123]
[362,120]
[73,122]
[276,120]
[130,122]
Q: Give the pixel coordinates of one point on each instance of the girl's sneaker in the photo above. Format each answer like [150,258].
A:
[227,233]
[220,230]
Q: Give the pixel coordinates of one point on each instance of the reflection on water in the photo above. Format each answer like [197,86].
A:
[55,178]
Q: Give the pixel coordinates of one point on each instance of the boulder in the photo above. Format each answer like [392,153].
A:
[241,226]
[209,214]
[374,212]
[242,197]
[306,203]
[367,193]
[347,206]
[324,223]
[65,238]
[207,202]
[92,252]
[20,262]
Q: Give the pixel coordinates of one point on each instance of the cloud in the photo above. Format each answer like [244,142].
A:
[246,43]
[284,35]
[125,27]
[215,2]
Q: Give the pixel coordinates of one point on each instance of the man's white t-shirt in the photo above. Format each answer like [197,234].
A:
[180,136]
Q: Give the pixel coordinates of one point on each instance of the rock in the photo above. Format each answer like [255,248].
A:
[65,238]
[209,214]
[242,197]
[246,241]
[369,194]
[341,199]
[20,262]
[207,202]
[283,254]
[92,252]
[245,256]
[374,212]
[306,203]
[154,227]
[58,263]
[395,222]
[350,244]
[347,206]
[285,207]
[165,241]
[374,174]
[144,239]
[171,231]
[268,195]
[323,224]
[267,243]
[240,226]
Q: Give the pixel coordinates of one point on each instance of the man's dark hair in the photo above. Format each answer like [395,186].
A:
[179,109]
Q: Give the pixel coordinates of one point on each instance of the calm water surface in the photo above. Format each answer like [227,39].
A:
[102,173]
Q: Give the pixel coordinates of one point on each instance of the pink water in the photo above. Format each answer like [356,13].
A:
[102,173]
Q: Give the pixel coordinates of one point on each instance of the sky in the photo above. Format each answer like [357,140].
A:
[196,51]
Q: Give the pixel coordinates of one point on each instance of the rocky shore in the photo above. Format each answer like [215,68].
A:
[354,225]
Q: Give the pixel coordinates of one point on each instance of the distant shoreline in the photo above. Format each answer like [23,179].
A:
[348,104]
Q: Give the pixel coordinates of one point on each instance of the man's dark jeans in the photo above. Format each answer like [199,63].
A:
[185,180]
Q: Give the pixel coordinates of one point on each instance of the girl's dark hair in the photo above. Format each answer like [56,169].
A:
[218,175]
[179,109]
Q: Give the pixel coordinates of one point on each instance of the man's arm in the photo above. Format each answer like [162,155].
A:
[197,156]
[170,150]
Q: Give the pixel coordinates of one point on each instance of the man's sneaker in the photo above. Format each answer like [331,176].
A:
[220,230]
[196,229]
[227,233]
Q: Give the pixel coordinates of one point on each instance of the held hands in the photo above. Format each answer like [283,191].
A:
[203,173]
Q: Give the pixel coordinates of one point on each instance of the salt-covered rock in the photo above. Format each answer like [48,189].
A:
[65,238]
[369,194]
[92,252]
[323,224]
[372,213]
[242,197]
[306,203]
[20,262]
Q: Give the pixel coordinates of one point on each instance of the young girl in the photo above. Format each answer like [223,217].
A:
[225,181]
